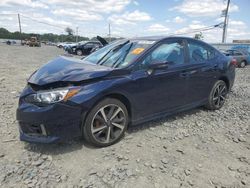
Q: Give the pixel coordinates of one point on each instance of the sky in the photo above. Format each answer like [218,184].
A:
[127,18]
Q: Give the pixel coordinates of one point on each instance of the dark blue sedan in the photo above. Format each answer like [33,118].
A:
[123,84]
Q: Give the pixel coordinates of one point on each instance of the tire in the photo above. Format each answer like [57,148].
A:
[100,132]
[242,64]
[217,95]
[79,52]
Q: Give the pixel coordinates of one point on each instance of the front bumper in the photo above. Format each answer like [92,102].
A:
[49,124]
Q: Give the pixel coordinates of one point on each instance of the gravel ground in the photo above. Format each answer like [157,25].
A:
[198,148]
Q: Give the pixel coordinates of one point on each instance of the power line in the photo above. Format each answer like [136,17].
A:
[7,14]
[53,25]
[198,30]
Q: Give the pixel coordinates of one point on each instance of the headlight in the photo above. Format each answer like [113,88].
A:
[53,96]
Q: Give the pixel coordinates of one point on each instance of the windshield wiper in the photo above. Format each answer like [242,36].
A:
[112,50]
[115,64]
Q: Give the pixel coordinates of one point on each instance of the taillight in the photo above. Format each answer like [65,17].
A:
[234,62]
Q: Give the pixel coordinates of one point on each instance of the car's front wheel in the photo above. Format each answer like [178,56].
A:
[217,95]
[79,52]
[106,123]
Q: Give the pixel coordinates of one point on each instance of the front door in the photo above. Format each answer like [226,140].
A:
[161,90]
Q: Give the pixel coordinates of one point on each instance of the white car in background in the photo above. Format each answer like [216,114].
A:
[64,44]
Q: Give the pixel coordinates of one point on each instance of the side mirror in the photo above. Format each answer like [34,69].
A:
[158,65]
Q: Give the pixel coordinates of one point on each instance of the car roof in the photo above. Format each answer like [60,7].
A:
[236,50]
[158,38]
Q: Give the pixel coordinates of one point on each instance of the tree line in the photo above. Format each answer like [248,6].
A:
[51,37]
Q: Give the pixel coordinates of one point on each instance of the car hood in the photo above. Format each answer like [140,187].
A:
[64,69]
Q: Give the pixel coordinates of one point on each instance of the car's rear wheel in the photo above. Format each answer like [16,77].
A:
[242,64]
[217,96]
[106,123]
[79,52]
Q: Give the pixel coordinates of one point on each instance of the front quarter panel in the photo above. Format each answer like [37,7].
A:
[92,93]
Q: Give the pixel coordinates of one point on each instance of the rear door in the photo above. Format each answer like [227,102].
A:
[88,47]
[202,71]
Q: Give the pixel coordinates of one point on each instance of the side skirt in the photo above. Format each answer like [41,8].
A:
[168,113]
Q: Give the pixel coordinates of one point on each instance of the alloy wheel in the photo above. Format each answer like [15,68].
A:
[108,123]
[219,96]
[79,52]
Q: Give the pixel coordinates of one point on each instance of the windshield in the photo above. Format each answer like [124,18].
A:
[119,54]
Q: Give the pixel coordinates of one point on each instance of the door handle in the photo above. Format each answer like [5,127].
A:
[216,66]
[184,74]
[187,73]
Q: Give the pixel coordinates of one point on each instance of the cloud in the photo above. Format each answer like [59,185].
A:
[198,8]
[78,14]
[237,29]
[104,6]
[196,22]
[158,28]
[136,3]
[237,23]
[130,18]
[178,19]
[27,3]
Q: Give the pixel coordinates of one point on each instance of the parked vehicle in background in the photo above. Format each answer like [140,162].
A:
[242,57]
[83,49]
[245,48]
[125,83]
[9,42]
[64,44]
[34,42]
[50,43]
[25,42]
[86,47]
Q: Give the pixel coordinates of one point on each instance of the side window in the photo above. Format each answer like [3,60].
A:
[211,53]
[236,53]
[197,53]
[172,52]
[89,45]
[200,53]
[230,52]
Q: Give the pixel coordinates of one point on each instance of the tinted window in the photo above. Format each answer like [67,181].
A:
[211,53]
[89,45]
[237,53]
[230,52]
[172,52]
[200,53]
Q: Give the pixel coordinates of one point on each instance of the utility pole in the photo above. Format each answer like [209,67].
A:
[20,28]
[62,37]
[76,34]
[225,23]
[109,33]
